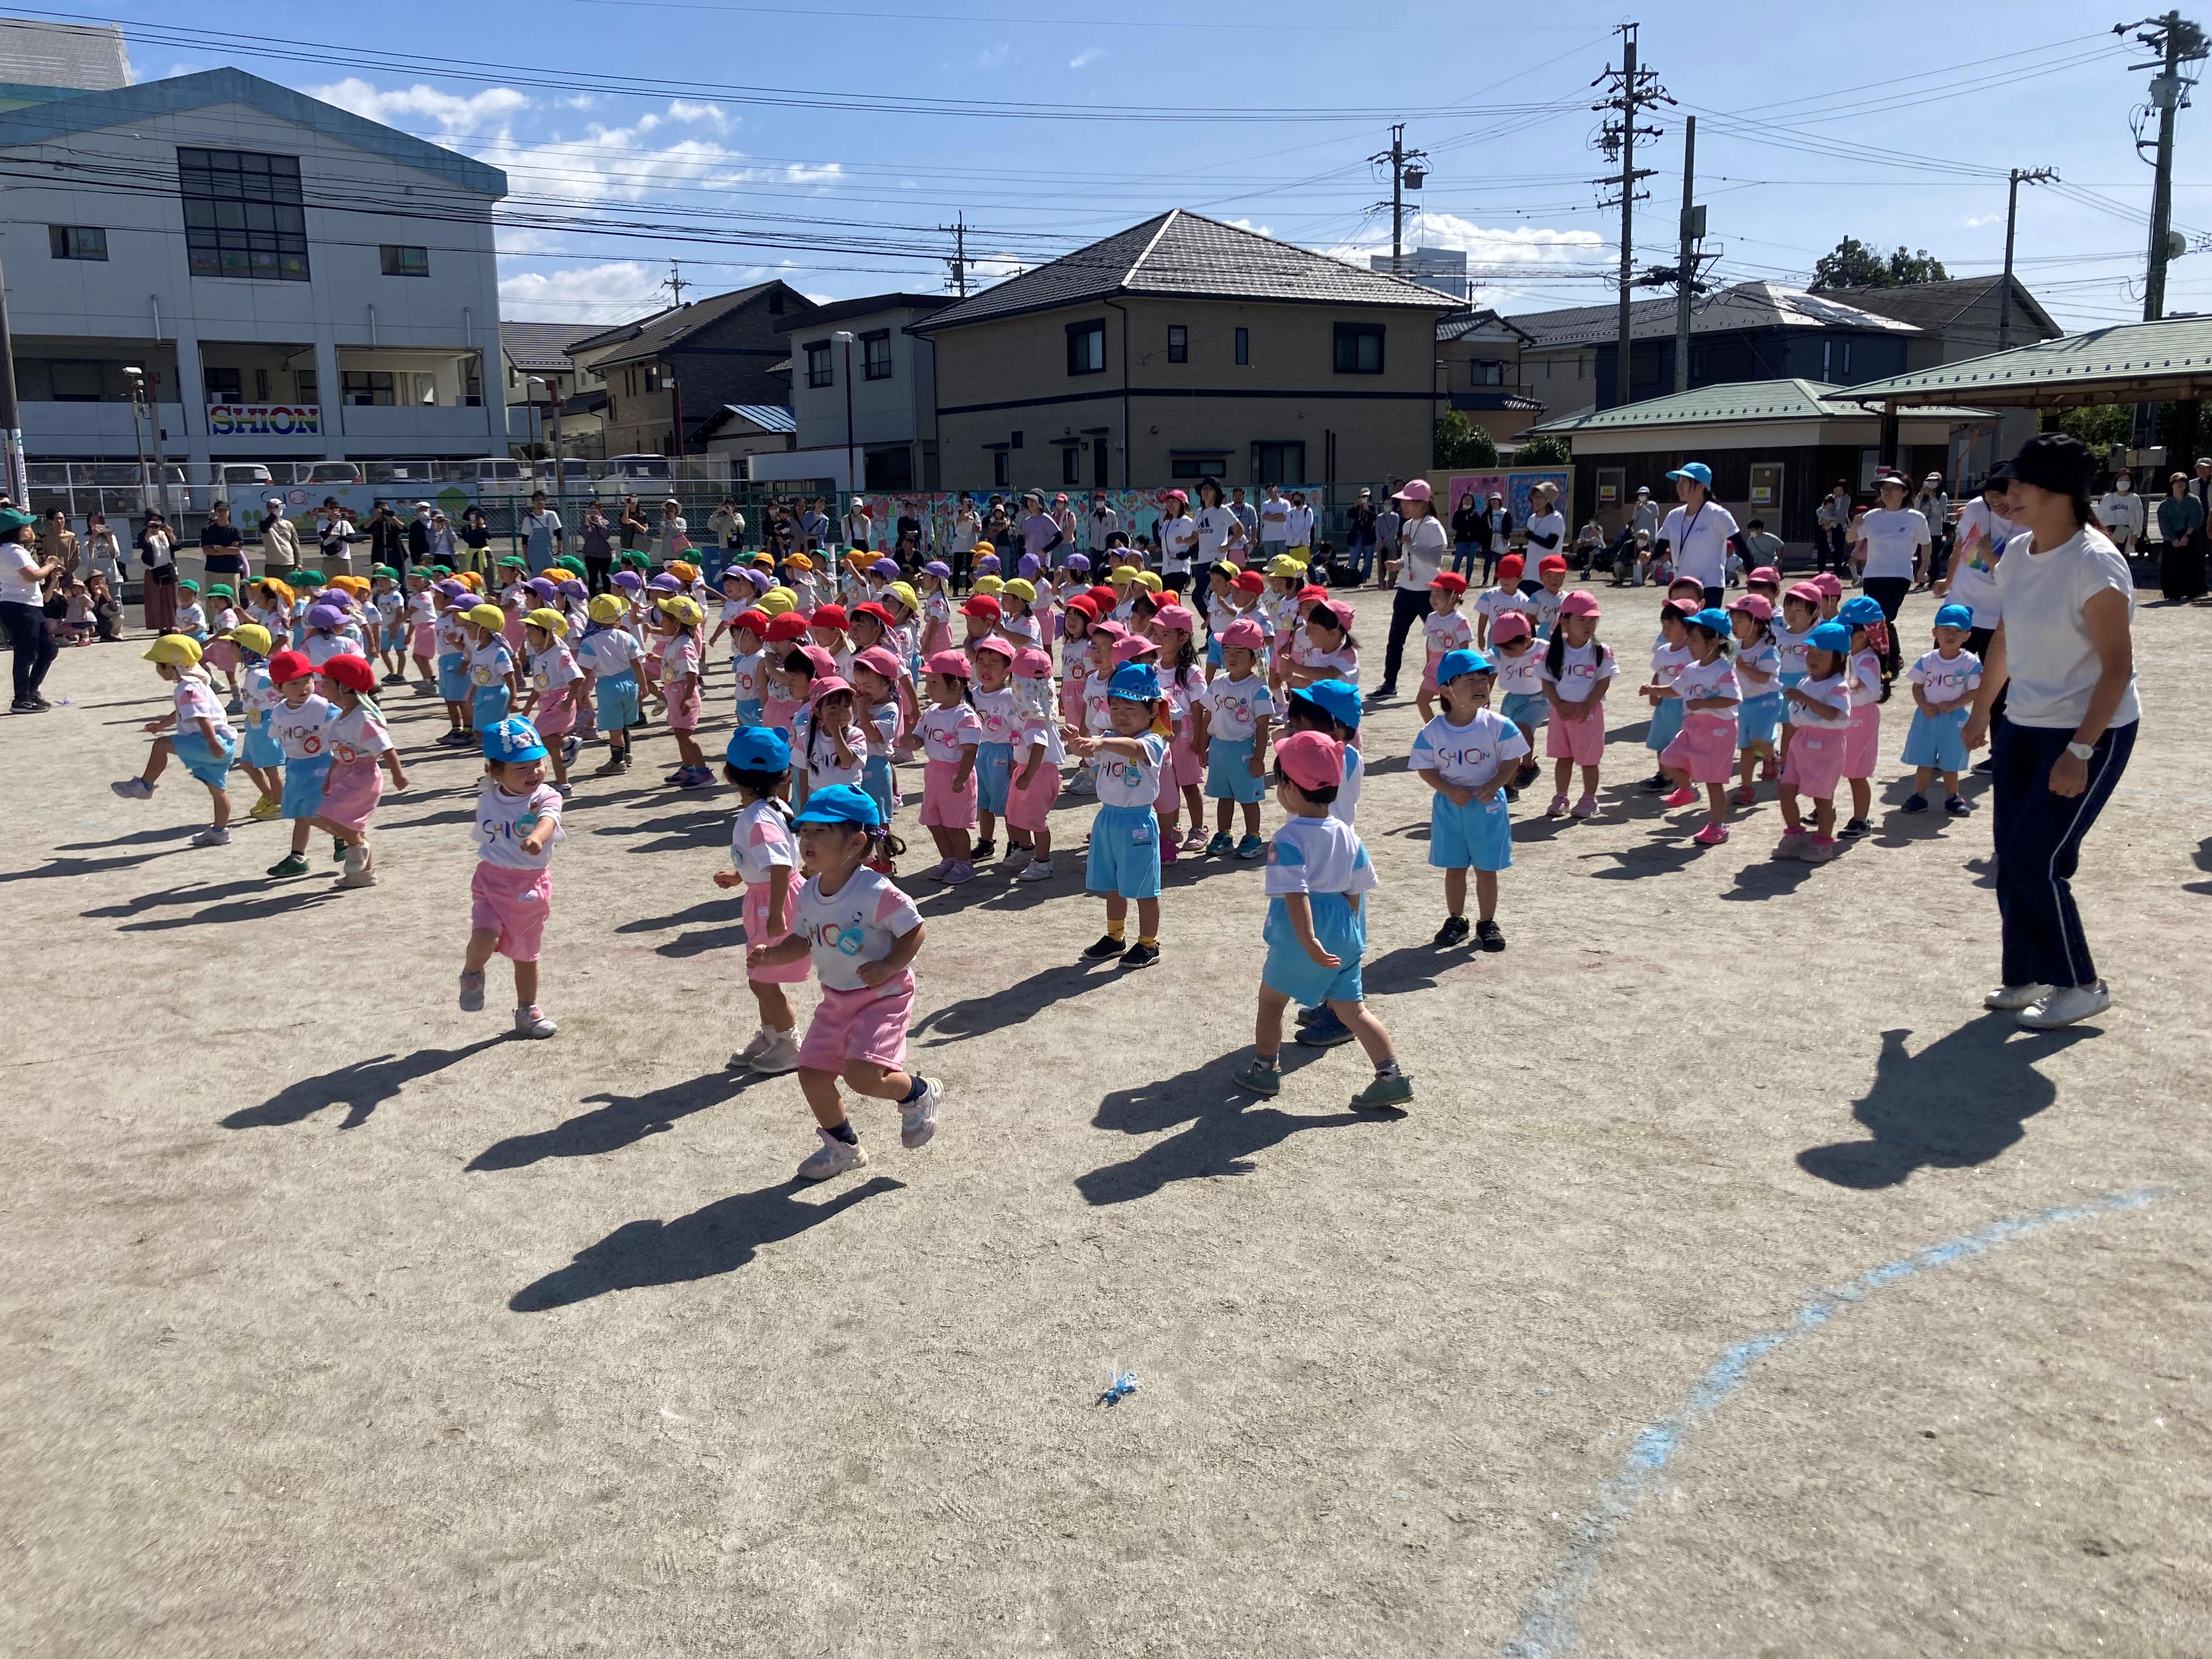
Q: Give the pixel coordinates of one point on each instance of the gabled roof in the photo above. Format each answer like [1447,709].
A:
[64,57]
[649,336]
[61,117]
[1179,254]
[868,305]
[1459,325]
[2169,361]
[768,418]
[543,346]
[1935,305]
[1745,306]
[1763,402]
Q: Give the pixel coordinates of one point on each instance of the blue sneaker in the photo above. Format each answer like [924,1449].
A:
[1325,1032]
[1916,804]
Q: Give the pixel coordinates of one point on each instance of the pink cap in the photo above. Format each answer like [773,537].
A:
[1512,625]
[1766,575]
[995,646]
[1130,647]
[819,658]
[1413,490]
[1109,630]
[1311,760]
[1755,605]
[1830,584]
[1806,592]
[1580,603]
[1336,609]
[881,660]
[1032,664]
[1243,635]
[825,686]
[1176,616]
[949,662]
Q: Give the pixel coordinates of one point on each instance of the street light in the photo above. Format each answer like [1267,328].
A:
[844,336]
[560,462]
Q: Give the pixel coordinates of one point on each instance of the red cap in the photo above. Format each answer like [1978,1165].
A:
[351,672]
[784,629]
[829,616]
[753,622]
[1248,581]
[1104,597]
[1450,581]
[869,608]
[288,666]
[981,604]
[1550,561]
[1083,606]
[1312,590]
[1511,565]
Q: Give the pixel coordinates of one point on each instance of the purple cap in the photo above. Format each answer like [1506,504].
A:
[450,589]
[760,578]
[572,589]
[629,581]
[1031,564]
[988,562]
[325,616]
[937,568]
[663,583]
[884,567]
[544,587]
[1079,562]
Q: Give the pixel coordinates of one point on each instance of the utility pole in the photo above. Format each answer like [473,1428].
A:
[1404,176]
[2038,176]
[14,475]
[1686,264]
[1630,90]
[676,284]
[958,231]
[2177,42]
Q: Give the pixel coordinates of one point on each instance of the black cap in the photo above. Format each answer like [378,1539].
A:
[2056,461]
[2000,476]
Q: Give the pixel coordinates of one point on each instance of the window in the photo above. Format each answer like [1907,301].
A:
[243,216]
[1071,464]
[656,378]
[1485,372]
[888,469]
[1178,343]
[1101,461]
[1836,362]
[75,382]
[1014,439]
[1199,467]
[305,381]
[1360,348]
[365,388]
[876,355]
[1243,348]
[401,261]
[224,385]
[77,241]
[819,372]
[1087,348]
[1278,463]
[1001,468]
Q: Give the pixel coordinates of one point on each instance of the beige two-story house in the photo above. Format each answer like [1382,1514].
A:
[1184,349]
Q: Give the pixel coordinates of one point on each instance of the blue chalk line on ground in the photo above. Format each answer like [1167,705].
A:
[1547,1627]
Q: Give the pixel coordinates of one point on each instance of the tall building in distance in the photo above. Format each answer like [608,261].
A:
[1443,269]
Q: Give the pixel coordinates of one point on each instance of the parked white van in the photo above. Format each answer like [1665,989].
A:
[636,475]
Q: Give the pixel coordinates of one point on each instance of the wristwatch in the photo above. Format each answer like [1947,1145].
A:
[2081,751]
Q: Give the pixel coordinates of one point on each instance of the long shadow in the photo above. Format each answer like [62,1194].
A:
[1769,878]
[1227,1127]
[136,838]
[1653,859]
[88,867]
[997,1011]
[431,820]
[720,910]
[362,1087]
[2202,859]
[623,1121]
[678,832]
[290,901]
[1412,967]
[166,898]
[1965,1098]
[718,1239]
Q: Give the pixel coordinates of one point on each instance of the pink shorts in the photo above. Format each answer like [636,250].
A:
[555,713]
[1704,748]
[942,805]
[684,706]
[1031,809]
[423,640]
[351,793]
[1863,742]
[849,1025]
[1071,702]
[758,937]
[1184,771]
[1580,741]
[512,633]
[1815,762]
[513,903]
[776,714]
[222,655]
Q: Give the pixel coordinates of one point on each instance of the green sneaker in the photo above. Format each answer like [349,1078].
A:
[1250,847]
[1383,1093]
[292,864]
[1220,846]
[1261,1079]
[337,850]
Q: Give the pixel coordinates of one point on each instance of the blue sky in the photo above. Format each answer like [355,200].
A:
[725,135]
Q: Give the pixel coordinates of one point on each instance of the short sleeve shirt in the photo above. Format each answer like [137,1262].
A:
[995,711]
[858,923]
[490,665]
[552,669]
[1894,539]
[1521,676]
[1698,539]
[946,731]
[760,840]
[1234,708]
[1581,669]
[1947,680]
[502,820]
[1124,781]
[1715,678]
[1345,806]
[1759,668]
[358,735]
[1832,701]
[303,733]
[823,767]
[1317,856]
[610,651]
[1467,755]
[196,701]
[681,660]
[746,667]
[1446,630]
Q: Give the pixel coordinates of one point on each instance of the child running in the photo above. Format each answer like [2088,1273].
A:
[204,739]
[259,751]
[516,824]
[1943,684]
[764,861]
[362,751]
[1465,754]
[301,723]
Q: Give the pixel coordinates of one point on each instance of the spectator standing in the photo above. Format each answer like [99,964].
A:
[103,555]
[727,525]
[57,545]
[1360,536]
[335,531]
[445,546]
[475,541]
[909,527]
[1935,506]
[1388,522]
[1762,546]
[859,525]
[1274,525]
[542,534]
[157,552]
[387,539]
[223,549]
[1099,522]
[1298,528]
[1547,525]
[2181,525]
[1893,542]
[2201,486]
[1219,530]
[967,531]
[674,535]
[1064,516]
[595,540]
[1831,522]
[24,574]
[1423,545]
[1470,532]
[1177,534]
[1500,540]
[1040,532]
[1695,534]
[635,528]
[280,540]
[421,543]
[1647,516]
[1247,515]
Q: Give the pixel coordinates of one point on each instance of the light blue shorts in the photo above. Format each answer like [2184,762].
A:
[1213,653]
[875,778]
[1759,720]
[1125,852]
[488,706]
[1939,742]
[453,679]
[1474,836]
[303,786]
[1229,772]
[1666,725]
[994,771]
[262,748]
[616,696]
[395,636]
[1525,709]
[210,766]
[1341,926]
[750,711]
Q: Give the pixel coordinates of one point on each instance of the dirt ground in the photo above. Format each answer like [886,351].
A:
[1735,1285]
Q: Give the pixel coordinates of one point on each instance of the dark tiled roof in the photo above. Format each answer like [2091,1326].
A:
[1935,305]
[1746,305]
[1185,255]
[1461,324]
[868,305]
[544,345]
[650,336]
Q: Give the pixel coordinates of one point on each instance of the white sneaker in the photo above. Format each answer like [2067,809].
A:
[2011,999]
[2064,1005]
[472,993]
[918,1122]
[213,835]
[133,789]
[781,1056]
[358,872]
[752,1051]
[833,1157]
[530,1021]
[1039,870]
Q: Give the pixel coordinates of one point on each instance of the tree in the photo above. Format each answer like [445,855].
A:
[1854,265]
[1548,450]
[1461,442]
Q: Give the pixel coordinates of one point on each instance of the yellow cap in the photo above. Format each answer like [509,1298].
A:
[904,593]
[1023,589]
[799,562]
[989,584]
[253,637]
[1150,579]
[486,616]
[1284,565]
[282,590]
[609,608]
[177,650]
[1126,573]
[776,601]
[551,621]
[684,608]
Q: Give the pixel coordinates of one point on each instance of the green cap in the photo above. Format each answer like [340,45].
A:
[385,571]
[13,519]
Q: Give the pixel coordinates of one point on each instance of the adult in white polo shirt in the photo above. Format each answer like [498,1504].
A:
[1698,532]
[1178,538]
[1423,545]
[1892,546]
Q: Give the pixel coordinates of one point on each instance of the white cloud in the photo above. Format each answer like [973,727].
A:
[1980,219]
[825,172]
[456,116]
[1247,224]
[705,115]
[585,294]
[1087,56]
[1493,254]
[992,58]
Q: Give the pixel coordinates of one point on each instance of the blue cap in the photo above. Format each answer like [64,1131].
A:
[1712,619]
[1136,682]
[1860,611]
[1830,636]
[513,741]
[758,749]
[1696,471]
[1954,615]
[1455,663]
[840,803]
[1337,699]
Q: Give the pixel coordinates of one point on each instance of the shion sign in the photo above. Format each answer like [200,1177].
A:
[264,420]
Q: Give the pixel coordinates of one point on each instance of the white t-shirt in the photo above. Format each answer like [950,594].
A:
[1700,542]
[1553,525]
[1345,806]
[760,841]
[1467,755]
[823,767]
[1893,537]
[1791,648]
[1946,679]
[196,701]
[1833,698]
[552,669]
[1976,546]
[996,710]
[303,733]
[1297,526]
[1581,668]
[258,693]
[1126,782]
[2051,665]
[1715,678]
[1274,520]
[1342,664]
[946,731]
[1446,630]
[502,820]
[16,586]
[858,923]
[1758,669]
[1214,524]
[746,667]
[1179,538]
[610,651]
[1522,676]
[489,664]
[1234,708]
[1422,545]
[360,735]
[1318,855]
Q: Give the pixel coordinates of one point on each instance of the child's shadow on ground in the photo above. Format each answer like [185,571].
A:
[362,1086]
[623,1121]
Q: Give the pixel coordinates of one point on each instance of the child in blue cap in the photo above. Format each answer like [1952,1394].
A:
[764,861]
[517,823]
[1943,685]
[1465,753]
[1124,859]
[862,934]
[1869,682]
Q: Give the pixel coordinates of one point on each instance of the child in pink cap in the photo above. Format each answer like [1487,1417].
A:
[1038,751]
[862,934]
[1799,615]
[950,732]
[1703,751]
[1831,594]
[516,824]
[1578,667]
[992,699]
[1318,877]
[836,748]
[1181,683]
[1759,676]
[1235,713]
[1812,762]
